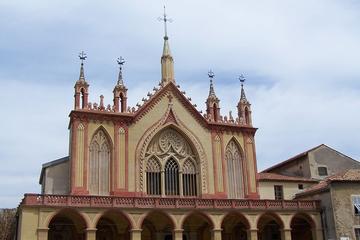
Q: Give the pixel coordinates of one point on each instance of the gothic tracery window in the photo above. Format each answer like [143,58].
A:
[171,152]
[171,177]
[189,179]
[99,165]
[234,170]
[153,177]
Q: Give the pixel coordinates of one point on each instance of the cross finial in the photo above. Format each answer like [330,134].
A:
[165,19]
[120,60]
[211,74]
[82,57]
[242,80]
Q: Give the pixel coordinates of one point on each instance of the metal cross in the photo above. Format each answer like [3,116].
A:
[242,79]
[120,61]
[165,20]
[82,56]
[211,74]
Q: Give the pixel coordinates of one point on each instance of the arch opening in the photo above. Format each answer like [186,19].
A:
[301,227]
[197,226]
[113,225]
[269,227]
[157,225]
[235,226]
[82,98]
[215,112]
[65,225]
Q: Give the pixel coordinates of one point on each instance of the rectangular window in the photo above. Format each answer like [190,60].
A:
[322,171]
[356,204]
[357,233]
[278,191]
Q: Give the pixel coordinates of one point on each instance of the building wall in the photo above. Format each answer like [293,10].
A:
[266,189]
[297,168]
[343,209]
[333,160]
[56,179]
[128,143]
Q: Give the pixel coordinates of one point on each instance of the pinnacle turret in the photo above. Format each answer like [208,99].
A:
[167,61]
[212,102]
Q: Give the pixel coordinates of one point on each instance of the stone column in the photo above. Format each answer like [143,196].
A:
[42,233]
[216,234]
[286,234]
[178,234]
[252,234]
[135,234]
[90,234]
[162,179]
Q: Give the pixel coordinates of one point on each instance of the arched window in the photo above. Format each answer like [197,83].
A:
[153,177]
[234,170]
[82,104]
[99,165]
[173,154]
[189,179]
[215,112]
[171,177]
[247,116]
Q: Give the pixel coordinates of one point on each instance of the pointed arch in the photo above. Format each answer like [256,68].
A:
[100,153]
[189,178]
[172,177]
[153,177]
[247,115]
[234,162]
[194,144]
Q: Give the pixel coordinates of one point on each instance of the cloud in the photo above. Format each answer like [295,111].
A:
[300,59]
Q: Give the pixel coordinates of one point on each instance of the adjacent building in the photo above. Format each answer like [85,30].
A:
[340,204]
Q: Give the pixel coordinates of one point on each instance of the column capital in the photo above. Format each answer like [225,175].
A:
[91,229]
[135,230]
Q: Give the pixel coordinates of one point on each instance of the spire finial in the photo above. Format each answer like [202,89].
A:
[121,62]
[82,57]
[165,19]
[211,91]
[242,80]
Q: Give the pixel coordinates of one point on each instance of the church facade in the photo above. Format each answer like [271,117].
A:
[161,170]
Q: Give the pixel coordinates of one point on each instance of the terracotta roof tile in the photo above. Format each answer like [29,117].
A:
[351,175]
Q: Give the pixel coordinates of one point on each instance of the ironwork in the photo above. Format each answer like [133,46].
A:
[242,79]
[82,57]
[165,19]
[211,74]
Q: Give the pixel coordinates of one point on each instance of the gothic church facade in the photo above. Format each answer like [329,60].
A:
[161,170]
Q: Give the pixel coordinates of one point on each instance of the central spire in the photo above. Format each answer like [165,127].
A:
[167,62]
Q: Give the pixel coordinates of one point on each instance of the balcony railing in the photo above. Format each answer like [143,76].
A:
[165,203]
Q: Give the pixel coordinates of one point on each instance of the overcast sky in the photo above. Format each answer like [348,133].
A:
[301,60]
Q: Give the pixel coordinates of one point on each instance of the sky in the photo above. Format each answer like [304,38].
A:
[301,60]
